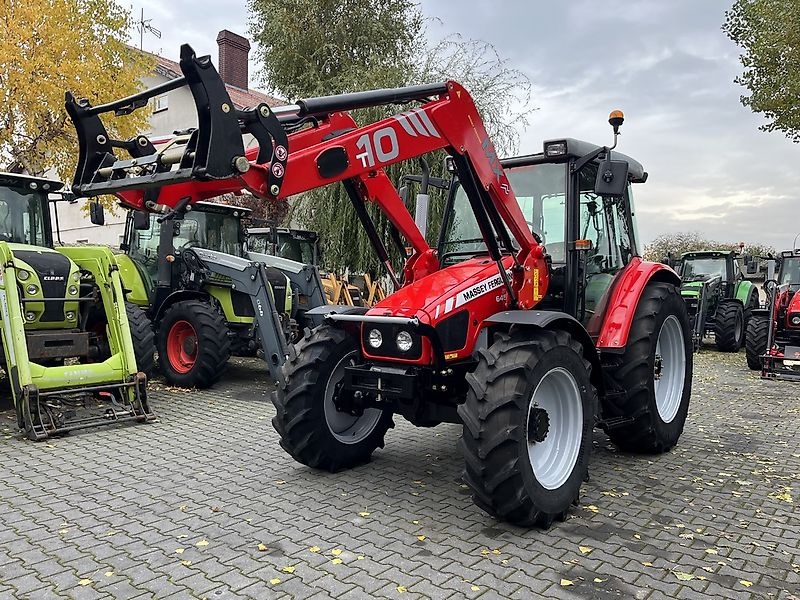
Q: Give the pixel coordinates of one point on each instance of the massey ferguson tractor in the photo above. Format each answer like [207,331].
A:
[535,321]
[68,336]
[773,333]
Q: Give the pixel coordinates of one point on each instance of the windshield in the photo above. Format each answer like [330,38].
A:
[21,217]
[288,246]
[197,230]
[790,271]
[540,191]
[697,268]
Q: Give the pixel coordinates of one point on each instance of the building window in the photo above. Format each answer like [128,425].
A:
[160,103]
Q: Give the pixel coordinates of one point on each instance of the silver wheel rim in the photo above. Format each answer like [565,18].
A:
[553,458]
[347,428]
[669,369]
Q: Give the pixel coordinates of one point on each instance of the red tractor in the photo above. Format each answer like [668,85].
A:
[773,333]
[533,322]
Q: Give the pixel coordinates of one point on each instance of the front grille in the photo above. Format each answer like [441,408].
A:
[242,305]
[52,269]
[452,331]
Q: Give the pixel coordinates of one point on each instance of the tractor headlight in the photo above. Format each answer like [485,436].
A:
[30,316]
[70,315]
[73,289]
[76,276]
[23,275]
[795,320]
[32,290]
[557,148]
[374,338]
[404,341]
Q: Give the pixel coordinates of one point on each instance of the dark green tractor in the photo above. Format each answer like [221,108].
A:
[718,297]
[200,319]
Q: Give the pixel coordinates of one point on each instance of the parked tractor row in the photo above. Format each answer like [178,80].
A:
[533,320]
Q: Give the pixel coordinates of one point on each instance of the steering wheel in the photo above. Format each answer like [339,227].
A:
[189,244]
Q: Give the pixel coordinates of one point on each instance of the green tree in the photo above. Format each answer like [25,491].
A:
[769,33]
[48,47]
[319,47]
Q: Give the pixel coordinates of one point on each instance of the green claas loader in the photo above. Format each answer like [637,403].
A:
[200,321]
[68,336]
[718,298]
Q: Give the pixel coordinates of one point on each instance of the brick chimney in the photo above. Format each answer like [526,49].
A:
[233,51]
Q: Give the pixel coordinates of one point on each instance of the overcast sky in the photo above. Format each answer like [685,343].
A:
[667,65]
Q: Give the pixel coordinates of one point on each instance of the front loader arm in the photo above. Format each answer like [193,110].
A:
[318,145]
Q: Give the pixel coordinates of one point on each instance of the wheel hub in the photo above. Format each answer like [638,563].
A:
[658,365]
[538,425]
[190,345]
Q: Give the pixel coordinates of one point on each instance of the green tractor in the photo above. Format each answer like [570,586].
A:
[199,321]
[68,336]
[718,297]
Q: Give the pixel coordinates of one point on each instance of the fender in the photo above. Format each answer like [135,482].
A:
[624,299]
[743,291]
[177,297]
[554,320]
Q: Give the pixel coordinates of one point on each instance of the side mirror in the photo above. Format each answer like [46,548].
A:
[141,220]
[403,193]
[96,213]
[612,178]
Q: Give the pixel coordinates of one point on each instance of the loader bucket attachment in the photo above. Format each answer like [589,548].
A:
[214,150]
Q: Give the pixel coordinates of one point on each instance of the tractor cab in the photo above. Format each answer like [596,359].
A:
[294,244]
[588,238]
[789,270]
[703,265]
[24,214]
[207,225]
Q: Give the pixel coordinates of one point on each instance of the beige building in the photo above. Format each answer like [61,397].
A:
[172,112]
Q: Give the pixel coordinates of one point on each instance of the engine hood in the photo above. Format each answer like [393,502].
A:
[793,308]
[443,291]
[48,274]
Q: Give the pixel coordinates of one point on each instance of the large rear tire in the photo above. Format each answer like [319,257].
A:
[193,344]
[729,323]
[144,344]
[528,419]
[656,373]
[312,429]
[756,343]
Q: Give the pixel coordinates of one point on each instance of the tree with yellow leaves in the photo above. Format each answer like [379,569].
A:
[48,47]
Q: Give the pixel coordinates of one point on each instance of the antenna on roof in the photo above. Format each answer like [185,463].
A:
[144,25]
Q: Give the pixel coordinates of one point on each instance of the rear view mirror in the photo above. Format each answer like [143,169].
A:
[403,193]
[141,220]
[96,213]
[612,178]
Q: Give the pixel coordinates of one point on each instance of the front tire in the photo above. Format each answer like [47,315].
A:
[312,430]
[528,419]
[144,345]
[729,323]
[756,342]
[655,372]
[193,344]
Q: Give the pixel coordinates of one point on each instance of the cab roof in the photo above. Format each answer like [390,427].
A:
[575,149]
[709,254]
[28,182]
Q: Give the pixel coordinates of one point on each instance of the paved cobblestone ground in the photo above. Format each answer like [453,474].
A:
[205,504]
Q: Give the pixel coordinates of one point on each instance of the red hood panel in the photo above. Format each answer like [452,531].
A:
[449,288]
[794,303]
